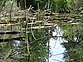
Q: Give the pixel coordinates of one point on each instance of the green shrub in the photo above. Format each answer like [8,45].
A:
[61,5]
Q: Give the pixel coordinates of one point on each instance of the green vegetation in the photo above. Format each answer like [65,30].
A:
[73,33]
[55,5]
[35,20]
[62,5]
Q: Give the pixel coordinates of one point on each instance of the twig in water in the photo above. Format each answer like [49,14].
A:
[10,51]
[32,31]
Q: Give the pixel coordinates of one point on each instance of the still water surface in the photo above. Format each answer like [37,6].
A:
[61,49]
[57,50]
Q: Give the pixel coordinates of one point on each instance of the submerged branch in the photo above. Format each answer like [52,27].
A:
[8,54]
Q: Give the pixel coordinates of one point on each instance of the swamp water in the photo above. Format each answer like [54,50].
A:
[63,44]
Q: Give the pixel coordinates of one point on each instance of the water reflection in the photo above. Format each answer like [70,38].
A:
[56,49]
[57,31]
[38,48]
[16,43]
[39,54]
[17,47]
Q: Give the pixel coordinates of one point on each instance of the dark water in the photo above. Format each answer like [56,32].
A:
[60,44]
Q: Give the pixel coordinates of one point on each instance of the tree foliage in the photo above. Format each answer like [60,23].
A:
[61,5]
[73,34]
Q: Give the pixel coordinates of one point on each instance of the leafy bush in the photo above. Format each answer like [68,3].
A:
[61,5]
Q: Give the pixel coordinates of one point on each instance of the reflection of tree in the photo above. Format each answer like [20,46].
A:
[74,47]
[18,49]
[38,46]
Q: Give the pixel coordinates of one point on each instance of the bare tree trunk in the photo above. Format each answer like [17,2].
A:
[48,4]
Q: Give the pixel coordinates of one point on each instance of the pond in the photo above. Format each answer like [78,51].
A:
[62,43]
[57,50]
